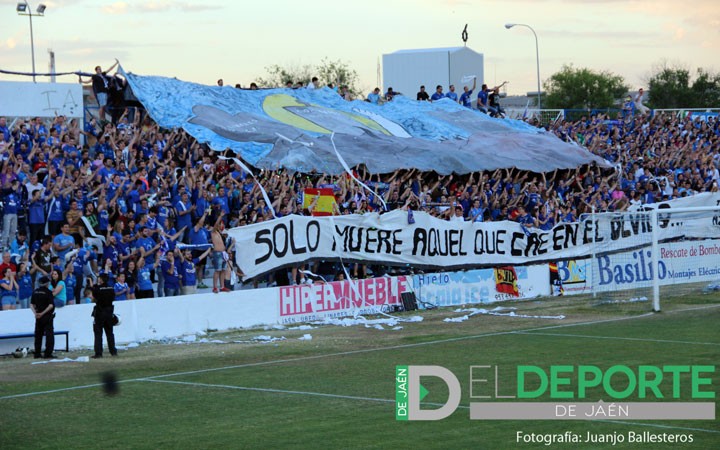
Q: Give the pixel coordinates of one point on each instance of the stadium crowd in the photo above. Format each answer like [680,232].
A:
[148,206]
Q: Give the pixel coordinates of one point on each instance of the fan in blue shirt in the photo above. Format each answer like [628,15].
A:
[466,96]
[438,95]
[452,95]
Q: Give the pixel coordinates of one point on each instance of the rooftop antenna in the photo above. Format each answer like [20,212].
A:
[465,35]
[51,65]
[378,72]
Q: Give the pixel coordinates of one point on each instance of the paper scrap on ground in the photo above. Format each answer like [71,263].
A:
[61,360]
[302,327]
[305,337]
[263,339]
[374,323]
[125,347]
[499,311]
[456,319]
[210,341]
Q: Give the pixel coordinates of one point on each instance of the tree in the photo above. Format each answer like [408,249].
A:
[278,75]
[706,90]
[671,87]
[572,88]
[337,72]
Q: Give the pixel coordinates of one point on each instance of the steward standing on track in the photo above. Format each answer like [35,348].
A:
[104,296]
[43,308]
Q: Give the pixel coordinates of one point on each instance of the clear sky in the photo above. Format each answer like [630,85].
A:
[202,41]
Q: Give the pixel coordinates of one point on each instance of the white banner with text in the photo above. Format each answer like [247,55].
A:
[424,241]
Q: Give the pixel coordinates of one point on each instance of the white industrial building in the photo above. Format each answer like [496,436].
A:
[406,70]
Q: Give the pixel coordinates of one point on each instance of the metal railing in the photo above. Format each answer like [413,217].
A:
[546,116]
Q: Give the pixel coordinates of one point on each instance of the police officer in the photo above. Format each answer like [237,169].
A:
[43,307]
[104,295]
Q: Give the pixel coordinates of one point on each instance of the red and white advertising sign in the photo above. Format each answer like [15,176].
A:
[319,301]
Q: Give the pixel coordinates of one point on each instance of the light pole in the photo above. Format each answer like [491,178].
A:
[537,55]
[23,9]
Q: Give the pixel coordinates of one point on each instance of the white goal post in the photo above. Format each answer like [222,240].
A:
[670,250]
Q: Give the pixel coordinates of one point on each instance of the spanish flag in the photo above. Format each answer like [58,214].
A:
[325,202]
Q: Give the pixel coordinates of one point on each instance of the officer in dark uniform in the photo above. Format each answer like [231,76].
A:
[43,307]
[104,296]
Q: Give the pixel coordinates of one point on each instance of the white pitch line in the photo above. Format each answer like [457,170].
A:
[274,391]
[617,338]
[354,352]
[385,400]
[30,394]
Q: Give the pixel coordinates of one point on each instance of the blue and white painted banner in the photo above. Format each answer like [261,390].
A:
[680,262]
[477,286]
[291,128]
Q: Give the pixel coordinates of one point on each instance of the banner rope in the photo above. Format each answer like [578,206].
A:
[262,189]
[349,172]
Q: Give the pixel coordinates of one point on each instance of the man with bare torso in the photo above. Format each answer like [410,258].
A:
[218,256]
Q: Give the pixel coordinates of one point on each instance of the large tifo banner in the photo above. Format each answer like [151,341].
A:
[292,128]
[434,243]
